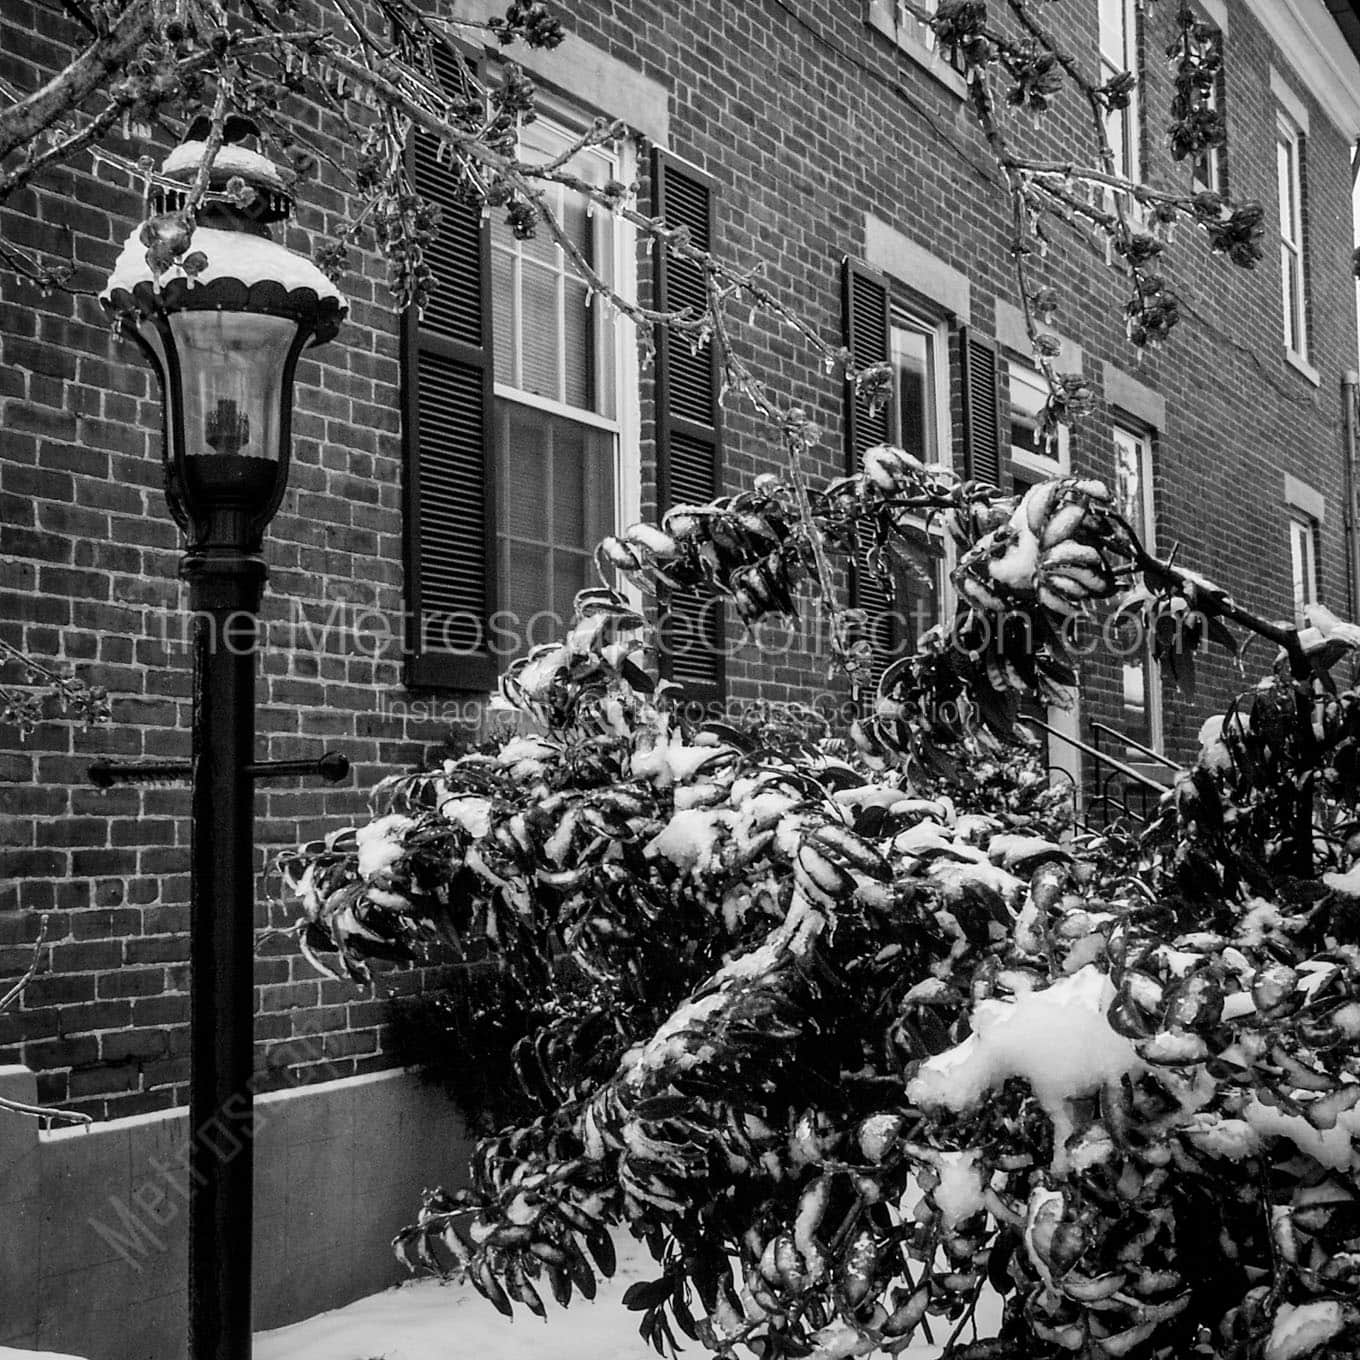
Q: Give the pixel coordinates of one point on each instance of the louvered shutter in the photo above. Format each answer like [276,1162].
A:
[866,320]
[448,372]
[688,428]
[982,442]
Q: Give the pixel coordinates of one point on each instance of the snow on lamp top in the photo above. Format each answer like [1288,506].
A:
[255,263]
[225,259]
[240,175]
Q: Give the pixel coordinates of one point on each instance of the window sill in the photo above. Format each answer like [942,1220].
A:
[1297,361]
[881,15]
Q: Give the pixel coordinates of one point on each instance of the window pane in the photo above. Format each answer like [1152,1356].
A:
[1135,702]
[547,341]
[578,351]
[917,601]
[1112,31]
[503,320]
[1027,395]
[1131,491]
[556,491]
[913,358]
[571,572]
[530,620]
[1284,188]
[524,448]
[1303,554]
[541,333]
[1289,298]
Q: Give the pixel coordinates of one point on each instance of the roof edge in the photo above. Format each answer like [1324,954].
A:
[1305,32]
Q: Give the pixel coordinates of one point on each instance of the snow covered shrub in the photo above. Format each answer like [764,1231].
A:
[871,1027]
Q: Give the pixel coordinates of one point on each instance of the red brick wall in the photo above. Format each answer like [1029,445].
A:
[808,118]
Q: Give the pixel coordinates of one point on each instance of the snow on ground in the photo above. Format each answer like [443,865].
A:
[9,1353]
[427,1320]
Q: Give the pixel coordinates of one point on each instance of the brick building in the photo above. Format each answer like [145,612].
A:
[450,468]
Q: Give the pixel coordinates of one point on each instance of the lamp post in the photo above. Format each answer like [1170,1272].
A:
[223,323]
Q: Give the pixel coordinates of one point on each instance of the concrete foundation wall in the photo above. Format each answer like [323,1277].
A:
[94,1221]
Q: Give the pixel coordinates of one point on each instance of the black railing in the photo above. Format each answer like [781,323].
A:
[1112,791]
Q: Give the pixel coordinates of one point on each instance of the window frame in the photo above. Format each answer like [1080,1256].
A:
[477,672]
[1304,533]
[1028,460]
[1212,157]
[916,41]
[1291,138]
[904,316]
[1023,466]
[625,424]
[1129,148]
[1141,438]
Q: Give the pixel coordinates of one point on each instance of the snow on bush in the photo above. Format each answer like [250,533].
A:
[868,1027]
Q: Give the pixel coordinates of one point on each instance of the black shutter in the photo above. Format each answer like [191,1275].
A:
[982,441]
[447,375]
[688,428]
[866,318]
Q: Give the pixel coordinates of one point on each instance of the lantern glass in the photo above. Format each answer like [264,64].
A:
[232,369]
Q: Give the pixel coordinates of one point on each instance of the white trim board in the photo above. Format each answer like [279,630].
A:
[1289,101]
[1012,334]
[888,249]
[1298,495]
[1123,392]
[1308,38]
[590,76]
[1216,11]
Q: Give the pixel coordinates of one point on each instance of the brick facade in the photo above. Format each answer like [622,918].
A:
[809,118]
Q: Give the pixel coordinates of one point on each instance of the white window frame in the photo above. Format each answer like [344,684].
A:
[902,320]
[1140,442]
[625,424]
[1030,458]
[1303,561]
[1289,138]
[1211,159]
[916,40]
[1064,759]
[1119,53]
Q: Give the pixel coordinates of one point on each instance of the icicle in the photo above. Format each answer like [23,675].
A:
[751,316]
[590,295]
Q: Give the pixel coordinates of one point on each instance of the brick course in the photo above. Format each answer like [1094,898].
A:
[837,122]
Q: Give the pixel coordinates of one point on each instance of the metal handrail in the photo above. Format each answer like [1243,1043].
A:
[1137,745]
[1127,770]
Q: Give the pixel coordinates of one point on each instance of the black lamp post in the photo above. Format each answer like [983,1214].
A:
[223,325]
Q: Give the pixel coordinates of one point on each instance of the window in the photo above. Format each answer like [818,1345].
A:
[917,40]
[1289,143]
[1032,459]
[556,412]
[1303,555]
[919,423]
[1207,172]
[1118,54]
[520,421]
[1139,678]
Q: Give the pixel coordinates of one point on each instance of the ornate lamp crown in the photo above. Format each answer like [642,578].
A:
[268,196]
